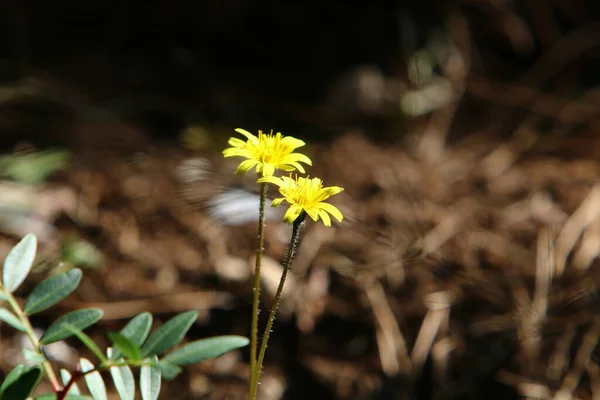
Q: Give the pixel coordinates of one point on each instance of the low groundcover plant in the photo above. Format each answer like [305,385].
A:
[305,196]
[133,347]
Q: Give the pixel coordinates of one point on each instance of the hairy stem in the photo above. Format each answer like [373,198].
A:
[256,298]
[286,267]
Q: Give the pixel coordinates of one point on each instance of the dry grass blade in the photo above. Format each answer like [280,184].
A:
[587,212]
[543,281]
[589,250]
[440,355]
[393,353]
[559,362]
[526,387]
[582,359]
[593,373]
[439,312]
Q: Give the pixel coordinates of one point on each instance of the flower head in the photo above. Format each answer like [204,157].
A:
[305,195]
[267,152]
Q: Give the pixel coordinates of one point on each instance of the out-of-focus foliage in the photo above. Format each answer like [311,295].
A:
[34,167]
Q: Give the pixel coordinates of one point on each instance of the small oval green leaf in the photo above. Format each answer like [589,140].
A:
[32,356]
[150,381]
[125,346]
[11,319]
[12,376]
[52,290]
[169,334]
[124,382]
[65,377]
[22,387]
[80,319]
[93,380]
[18,263]
[136,330]
[205,349]
[168,371]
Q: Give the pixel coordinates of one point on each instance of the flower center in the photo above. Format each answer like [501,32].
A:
[270,149]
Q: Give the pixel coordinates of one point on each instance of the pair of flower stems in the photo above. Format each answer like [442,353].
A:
[267,153]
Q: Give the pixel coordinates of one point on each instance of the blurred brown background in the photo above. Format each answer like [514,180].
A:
[465,134]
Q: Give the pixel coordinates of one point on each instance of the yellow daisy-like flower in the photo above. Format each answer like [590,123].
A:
[267,152]
[305,194]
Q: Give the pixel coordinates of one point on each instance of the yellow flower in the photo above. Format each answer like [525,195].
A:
[267,152]
[305,194]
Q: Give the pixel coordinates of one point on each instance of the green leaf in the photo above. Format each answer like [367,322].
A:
[150,381]
[18,263]
[80,253]
[170,334]
[136,331]
[11,319]
[204,349]
[138,328]
[52,290]
[35,167]
[87,341]
[124,382]
[32,356]
[125,346]
[93,380]
[23,385]
[80,319]
[12,376]
[65,377]
[3,296]
[168,371]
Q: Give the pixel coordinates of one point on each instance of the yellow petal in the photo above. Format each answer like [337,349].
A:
[291,214]
[325,217]
[286,167]
[299,157]
[271,179]
[250,136]
[313,213]
[235,152]
[327,192]
[292,142]
[277,202]
[235,142]
[297,166]
[333,210]
[268,169]
[245,166]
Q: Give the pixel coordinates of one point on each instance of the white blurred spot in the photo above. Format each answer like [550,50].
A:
[238,206]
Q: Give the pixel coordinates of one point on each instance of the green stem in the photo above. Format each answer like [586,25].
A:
[37,347]
[256,297]
[286,268]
